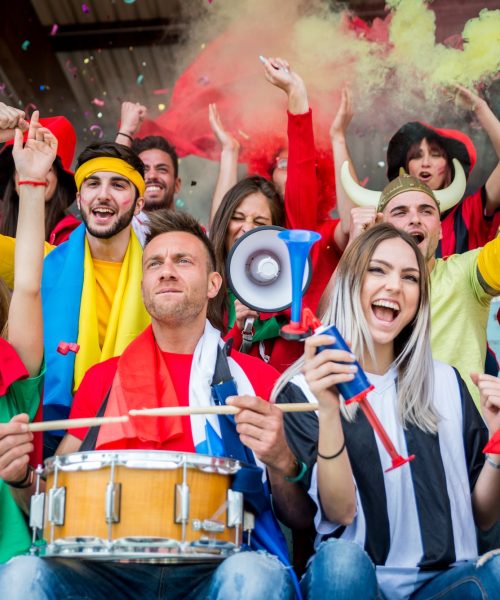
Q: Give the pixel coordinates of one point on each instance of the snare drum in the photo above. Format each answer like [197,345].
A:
[139,505]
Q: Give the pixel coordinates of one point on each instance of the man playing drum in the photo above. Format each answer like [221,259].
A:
[172,363]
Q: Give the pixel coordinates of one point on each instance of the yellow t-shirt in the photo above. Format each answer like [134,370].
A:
[459,315]
[7,249]
[106,277]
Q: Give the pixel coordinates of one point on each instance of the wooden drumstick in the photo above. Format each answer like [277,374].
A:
[170,411]
[75,423]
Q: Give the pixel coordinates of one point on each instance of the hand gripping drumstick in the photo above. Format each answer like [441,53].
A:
[168,411]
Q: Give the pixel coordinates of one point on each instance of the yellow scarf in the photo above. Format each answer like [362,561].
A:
[127,318]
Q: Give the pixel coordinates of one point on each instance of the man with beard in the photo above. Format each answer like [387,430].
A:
[91,284]
[178,361]
[161,165]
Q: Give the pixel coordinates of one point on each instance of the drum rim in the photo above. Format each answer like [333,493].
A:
[141,459]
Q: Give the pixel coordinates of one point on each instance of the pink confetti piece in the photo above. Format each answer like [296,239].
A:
[97,102]
[54,29]
[85,9]
[160,91]
[97,128]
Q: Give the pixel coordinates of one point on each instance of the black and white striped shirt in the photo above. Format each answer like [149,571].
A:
[417,519]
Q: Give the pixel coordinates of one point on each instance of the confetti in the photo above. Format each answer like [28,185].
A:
[140,79]
[193,183]
[97,102]
[99,115]
[161,107]
[160,91]
[25,45]
[381,164]
[86,61]
[54,29]
[44,88]
[71,67]
[98,129]
[129,1]
[179,203]
[85,9]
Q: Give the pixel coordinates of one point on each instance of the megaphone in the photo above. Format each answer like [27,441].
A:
[259,271]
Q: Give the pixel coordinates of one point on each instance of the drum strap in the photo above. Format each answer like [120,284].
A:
[90,440]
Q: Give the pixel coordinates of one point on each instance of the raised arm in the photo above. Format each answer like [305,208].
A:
[491,126]
[338,136]
[33,162]
[301,188]
[228,166]
[132,116]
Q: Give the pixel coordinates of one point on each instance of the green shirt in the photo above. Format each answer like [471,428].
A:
[459,315]
[23,396]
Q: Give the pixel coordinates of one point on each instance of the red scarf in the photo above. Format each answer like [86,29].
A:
[142,380]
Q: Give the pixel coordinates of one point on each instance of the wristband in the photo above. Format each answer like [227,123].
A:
[301,473]
[333,455]
[492,463]
[30,182]
[25,482]
[126,135]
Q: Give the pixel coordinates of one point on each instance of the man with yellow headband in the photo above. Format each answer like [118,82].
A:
[91,284]
[462,285]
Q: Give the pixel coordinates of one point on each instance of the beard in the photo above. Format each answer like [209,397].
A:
[166,201]
[177,312]
[119,225]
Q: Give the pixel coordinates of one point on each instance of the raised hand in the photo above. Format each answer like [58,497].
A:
[10,118]
[278,72]
[489,396]
[467,99]
[132,116]
[344,113]
[34,160]
[225,139]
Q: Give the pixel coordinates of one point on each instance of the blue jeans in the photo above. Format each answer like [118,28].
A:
[246,576]
[339,570]
[474,580]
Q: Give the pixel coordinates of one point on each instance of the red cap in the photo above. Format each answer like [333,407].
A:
[66,138]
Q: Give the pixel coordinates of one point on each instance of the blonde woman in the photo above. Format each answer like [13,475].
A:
[407,533]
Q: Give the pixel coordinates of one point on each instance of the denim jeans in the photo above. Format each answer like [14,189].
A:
[339,570]
[474,580]
[246,576]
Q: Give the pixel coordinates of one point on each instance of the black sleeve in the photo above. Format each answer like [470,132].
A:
[475,433]
[301,430]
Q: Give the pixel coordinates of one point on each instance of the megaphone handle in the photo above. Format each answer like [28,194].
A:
[247,335]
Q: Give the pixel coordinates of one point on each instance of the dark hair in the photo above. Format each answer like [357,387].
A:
[5,296]
[55,208]
[157,142]
[110,150]
[166,220]
[220,224]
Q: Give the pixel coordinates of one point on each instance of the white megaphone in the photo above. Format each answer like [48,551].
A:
[259,272]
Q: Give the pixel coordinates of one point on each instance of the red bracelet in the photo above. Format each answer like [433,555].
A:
[30,182]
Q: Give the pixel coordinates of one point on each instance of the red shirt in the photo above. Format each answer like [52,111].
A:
[98,379]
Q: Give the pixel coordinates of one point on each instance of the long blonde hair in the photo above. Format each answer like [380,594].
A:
[413,358]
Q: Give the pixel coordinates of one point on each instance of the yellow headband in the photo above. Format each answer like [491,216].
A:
[112,165]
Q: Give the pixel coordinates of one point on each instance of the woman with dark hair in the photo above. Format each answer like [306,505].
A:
[408,532]
[252,202]
[60,191]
